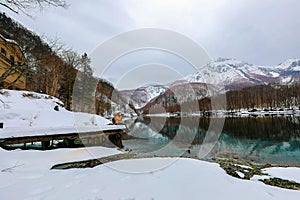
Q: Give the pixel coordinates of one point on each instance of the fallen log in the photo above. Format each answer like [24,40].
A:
[95,162]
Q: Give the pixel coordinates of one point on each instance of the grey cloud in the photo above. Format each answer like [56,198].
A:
[259,32]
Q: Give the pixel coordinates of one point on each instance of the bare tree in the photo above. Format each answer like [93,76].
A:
[71,57]
[23,6]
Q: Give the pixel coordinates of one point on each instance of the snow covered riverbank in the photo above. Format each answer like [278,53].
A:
[31,178]
[26,113]
[234,113]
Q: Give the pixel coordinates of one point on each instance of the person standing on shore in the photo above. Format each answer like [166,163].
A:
[117,119]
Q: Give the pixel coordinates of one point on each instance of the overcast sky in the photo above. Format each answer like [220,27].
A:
[263,32]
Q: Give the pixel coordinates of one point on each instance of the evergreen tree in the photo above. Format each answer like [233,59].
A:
[84,87]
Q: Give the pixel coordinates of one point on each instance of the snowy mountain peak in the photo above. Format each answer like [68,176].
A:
[236,74]
[230,61]
[141,96]
[220,59]
[290,64]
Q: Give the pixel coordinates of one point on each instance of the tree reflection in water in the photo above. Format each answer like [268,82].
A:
[274,139]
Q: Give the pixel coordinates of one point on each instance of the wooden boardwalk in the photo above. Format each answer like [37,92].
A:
[102,137]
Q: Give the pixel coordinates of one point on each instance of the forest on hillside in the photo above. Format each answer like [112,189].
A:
[264,96]
[53,69]
[270,96]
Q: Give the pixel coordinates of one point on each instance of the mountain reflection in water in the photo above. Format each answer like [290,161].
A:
[273,139]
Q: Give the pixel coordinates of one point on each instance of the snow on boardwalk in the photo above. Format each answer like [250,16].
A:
[16,132]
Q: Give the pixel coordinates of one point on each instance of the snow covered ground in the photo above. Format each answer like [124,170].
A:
[26,113]
[291,174]
[183,179]
[27,174]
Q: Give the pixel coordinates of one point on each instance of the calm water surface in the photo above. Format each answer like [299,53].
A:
[273,139]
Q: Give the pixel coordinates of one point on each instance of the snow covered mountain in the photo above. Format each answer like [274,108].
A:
[223,74]
[141,96]
[235,74]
